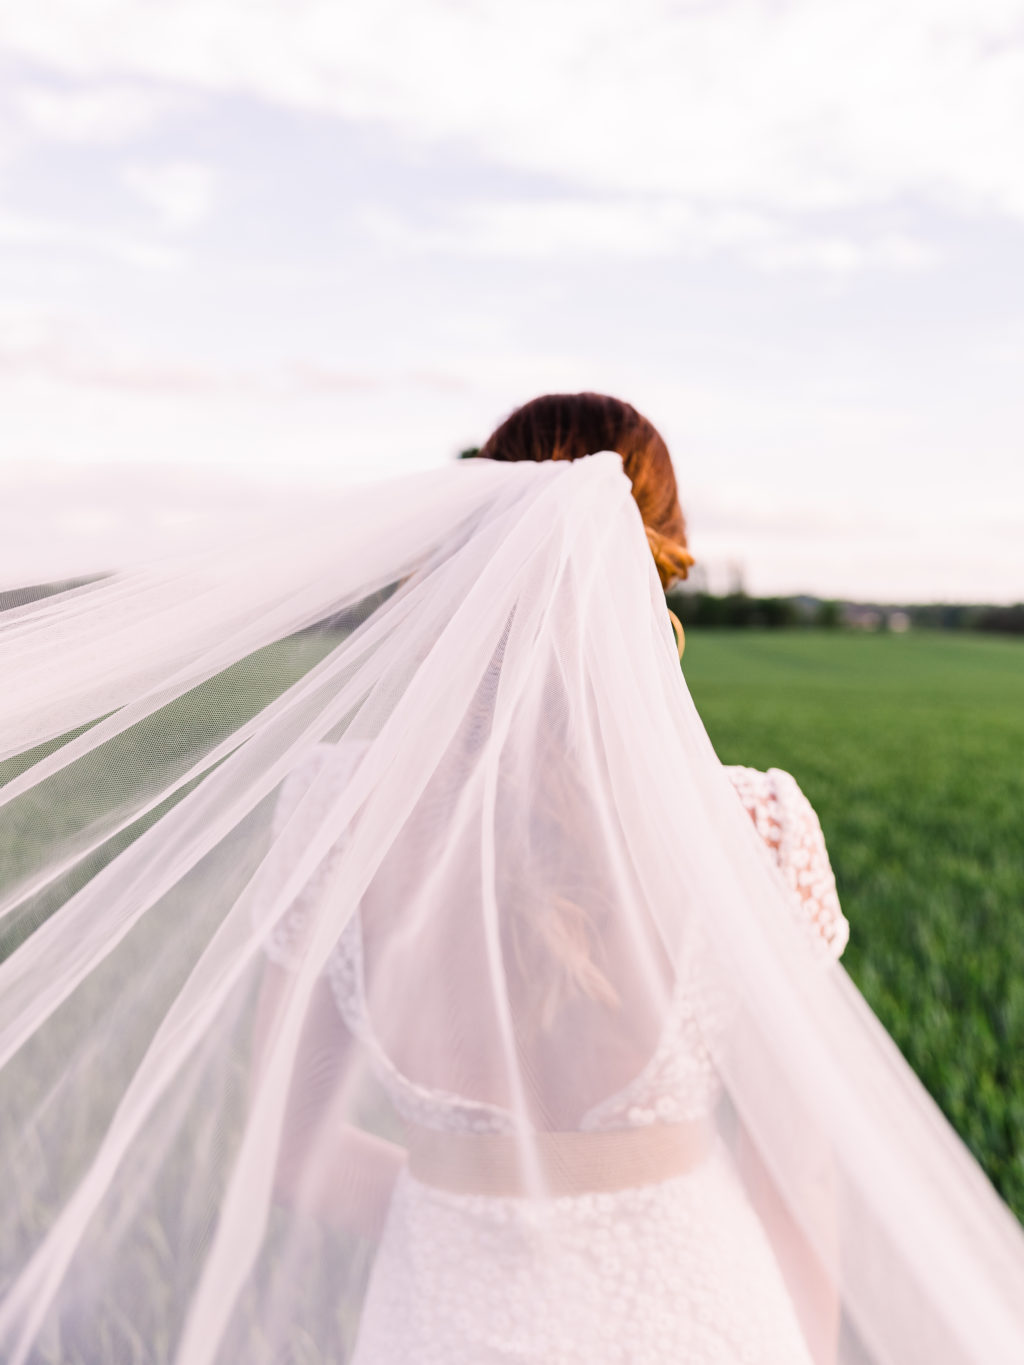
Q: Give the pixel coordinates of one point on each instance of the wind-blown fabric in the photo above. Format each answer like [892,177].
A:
[350,881]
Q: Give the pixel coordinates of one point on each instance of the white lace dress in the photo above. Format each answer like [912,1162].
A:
[679,1271]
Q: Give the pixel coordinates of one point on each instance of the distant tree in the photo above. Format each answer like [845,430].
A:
[735,609]
[1008,620]
[777,613]
[945,615]
[469,453]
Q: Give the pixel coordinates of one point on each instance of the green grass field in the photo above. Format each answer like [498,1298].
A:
[911,748]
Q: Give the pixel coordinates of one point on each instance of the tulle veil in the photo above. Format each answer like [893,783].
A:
[444,714]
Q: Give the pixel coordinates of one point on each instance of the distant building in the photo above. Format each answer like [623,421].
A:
[861,618]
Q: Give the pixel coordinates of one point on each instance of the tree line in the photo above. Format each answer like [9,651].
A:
[740,610]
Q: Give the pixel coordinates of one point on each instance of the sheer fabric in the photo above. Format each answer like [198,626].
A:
[660,1270]
[394,973]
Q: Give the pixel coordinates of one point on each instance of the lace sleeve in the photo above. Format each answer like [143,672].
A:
[786,821]
[281,944]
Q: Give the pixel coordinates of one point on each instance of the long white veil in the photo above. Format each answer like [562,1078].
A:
[429,757]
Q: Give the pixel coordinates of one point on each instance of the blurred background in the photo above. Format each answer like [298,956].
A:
[285,244]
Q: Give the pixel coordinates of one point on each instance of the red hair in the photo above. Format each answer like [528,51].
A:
[567,426]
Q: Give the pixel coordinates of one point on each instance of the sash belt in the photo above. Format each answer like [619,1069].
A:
[549,1165]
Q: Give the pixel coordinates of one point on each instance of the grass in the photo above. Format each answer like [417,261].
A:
[910,748]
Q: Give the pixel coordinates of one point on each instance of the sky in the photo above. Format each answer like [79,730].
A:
[252,251]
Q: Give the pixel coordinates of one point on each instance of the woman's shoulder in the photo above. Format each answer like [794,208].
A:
[772,797]
[790,829]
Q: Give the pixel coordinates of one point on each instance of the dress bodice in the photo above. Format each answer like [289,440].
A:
[678,1083]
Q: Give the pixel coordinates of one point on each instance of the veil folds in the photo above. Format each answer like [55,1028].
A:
[404,822]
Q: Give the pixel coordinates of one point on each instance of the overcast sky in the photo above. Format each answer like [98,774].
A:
[250,247]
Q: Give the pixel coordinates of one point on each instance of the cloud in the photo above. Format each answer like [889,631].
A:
[28,231]
[62,350]
[314,377]
[181,193]
[793,108]
[528,229]
[94,113]
[65,350]
[844,255]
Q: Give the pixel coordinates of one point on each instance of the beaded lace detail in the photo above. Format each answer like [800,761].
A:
[786,822]
[419,1104]
[652,1275]
[679,1082]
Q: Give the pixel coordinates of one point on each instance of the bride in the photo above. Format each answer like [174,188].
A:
[396,974]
